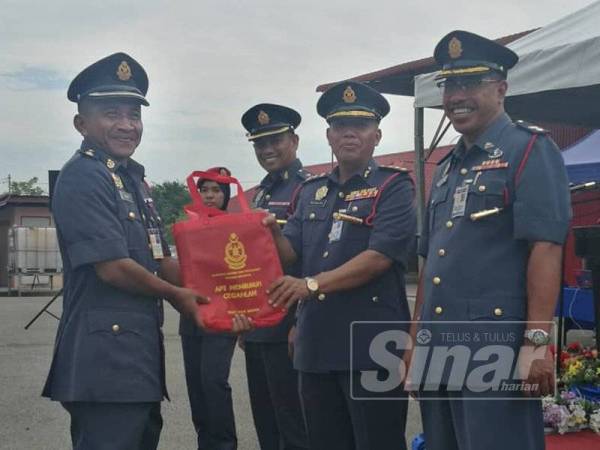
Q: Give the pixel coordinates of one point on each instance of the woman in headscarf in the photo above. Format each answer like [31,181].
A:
[207,357]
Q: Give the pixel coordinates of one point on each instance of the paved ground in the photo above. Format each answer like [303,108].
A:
[29,422]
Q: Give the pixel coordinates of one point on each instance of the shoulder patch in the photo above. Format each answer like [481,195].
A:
[395,169]
[534,129]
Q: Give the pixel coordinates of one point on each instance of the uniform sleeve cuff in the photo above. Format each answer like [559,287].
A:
[95,251]
[535,230]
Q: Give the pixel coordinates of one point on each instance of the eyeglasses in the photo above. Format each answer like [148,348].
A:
[454,85]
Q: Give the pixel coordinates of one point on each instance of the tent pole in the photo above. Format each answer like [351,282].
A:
[420,171]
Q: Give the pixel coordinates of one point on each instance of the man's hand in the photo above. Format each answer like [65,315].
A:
[186,301]
[291,337]
[536,367]
[270,221]
[286,291]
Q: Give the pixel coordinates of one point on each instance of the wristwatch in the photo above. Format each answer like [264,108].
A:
[537,336]
[312,285]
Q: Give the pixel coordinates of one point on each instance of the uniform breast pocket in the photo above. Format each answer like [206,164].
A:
[315,223]
[486,195]
[437,206]
[358,230]
[135,232]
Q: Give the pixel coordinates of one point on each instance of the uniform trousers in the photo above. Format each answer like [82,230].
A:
[114,426]
[452,421]
[335,421]
[273,388]
[207,362]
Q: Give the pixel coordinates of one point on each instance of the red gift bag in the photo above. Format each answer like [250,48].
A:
[230,258]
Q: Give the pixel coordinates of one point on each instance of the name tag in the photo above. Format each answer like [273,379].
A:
[155,243]
[460,201]
[336,231]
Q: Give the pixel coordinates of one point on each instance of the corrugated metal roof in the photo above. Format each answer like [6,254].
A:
[399,79]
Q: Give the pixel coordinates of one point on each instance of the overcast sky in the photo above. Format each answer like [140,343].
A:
[210,60]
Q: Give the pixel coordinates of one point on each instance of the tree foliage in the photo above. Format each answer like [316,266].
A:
[169,198]
[28,187]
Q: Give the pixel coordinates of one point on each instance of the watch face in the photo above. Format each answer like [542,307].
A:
[539,337]
[312,284]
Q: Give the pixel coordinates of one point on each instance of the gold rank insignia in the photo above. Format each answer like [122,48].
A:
[110,163]
[490,164]
[349,96]
[124,71]
[321,193]
[455,48]
[263,118]
[361,193]
[118,181]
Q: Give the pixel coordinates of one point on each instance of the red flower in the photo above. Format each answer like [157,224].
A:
[574,347]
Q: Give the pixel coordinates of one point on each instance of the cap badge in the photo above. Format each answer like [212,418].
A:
[349,95]
[455,48]
[263,118]
[321,193]
[124,71]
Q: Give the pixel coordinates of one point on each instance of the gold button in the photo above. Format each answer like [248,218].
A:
[449,224]
[311,216]
[437,280]
[341,194]
[116,328]
[131,215]
[321,297]
[375,299]
[464,171]
[439,310]
[498,312]
[482,188]
[268,197]
[325,254]
[354,208]
[442,252]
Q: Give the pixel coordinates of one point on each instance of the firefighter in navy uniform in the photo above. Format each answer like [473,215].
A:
[351,231]
[108,367]
[272,380]
[497,218]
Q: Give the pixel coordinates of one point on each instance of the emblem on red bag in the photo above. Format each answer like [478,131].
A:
[235,253]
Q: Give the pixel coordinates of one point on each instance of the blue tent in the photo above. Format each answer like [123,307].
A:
[583,159]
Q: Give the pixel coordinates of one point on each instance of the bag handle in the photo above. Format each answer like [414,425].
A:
[197,202]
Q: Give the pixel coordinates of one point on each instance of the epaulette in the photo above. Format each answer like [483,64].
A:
[534,129]
[395,169]
[90,153]
[304,174]
[315,177]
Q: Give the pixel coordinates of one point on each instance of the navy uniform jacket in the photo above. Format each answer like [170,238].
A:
[275,194]
[383,198]
[109,345]
[476,270]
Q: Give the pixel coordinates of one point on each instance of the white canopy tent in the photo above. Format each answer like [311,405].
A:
[557,78]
